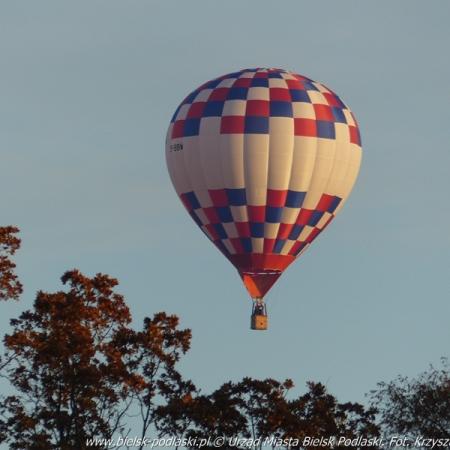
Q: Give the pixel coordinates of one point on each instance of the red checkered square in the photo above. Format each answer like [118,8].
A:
[212,232]
[211,214]
[261,75]
[276,197]
[280,94]
[331,99]
[257,108]
[242,82]
[304,216]
[219,94]
[218,197]
[296,247]
[237,245]
[324,202]
[232,124]
[268,245]
[323,112]
[178,129]
[305,127]
[256,213]
[294,84]
[196,110]
[299,77]
[243,229]
[186,202]
[284,230]
[354,135]
[314,233]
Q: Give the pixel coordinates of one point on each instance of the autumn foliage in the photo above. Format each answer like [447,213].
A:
[10,286]
[77,370]
[418,406]
[78,367]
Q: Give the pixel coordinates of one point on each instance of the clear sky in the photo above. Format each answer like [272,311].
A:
[87,89]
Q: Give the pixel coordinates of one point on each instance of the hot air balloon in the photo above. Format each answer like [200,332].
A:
[263,160]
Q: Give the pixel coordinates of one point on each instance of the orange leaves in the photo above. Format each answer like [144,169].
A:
[10,286]
[77,366]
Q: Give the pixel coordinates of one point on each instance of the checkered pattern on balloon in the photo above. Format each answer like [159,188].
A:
[263,160]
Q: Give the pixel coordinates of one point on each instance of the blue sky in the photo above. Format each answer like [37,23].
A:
[87,90]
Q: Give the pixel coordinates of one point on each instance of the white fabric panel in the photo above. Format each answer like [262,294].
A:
[303,110]
[230,228]
[288,76]
[258,93]
[195,170]
[202,216]
[323,220]
[287,246]
[351,175]
[336,182]
[229,246]
[317,98]
[258,245]
[239,213]
[281,148]
[210,125]
[226,82]
[348,117]
[176,165]
[210,160]
[271,230]
[231,151]
[234,108]
[321,87]
[256,162]
[182,113]
[305,233]
[277,83]
[304,157]
[203,95]
[322,168]
[289,215]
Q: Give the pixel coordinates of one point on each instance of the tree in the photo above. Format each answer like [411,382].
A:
[318,414]
[418,406]
[249,409]
[10,286]
[78,368]
[259,412]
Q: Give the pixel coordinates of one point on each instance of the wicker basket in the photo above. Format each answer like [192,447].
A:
[258,322]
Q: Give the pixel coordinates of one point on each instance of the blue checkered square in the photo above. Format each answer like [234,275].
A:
[298,95]
[273,214]
[281,109]
[254,124]
[191,127]
[237,93]
[224,214]
[295,199]
[325,129]
[257,229]
[213,109]
[236,197]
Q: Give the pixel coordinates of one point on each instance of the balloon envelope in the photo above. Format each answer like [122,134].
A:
[263,160]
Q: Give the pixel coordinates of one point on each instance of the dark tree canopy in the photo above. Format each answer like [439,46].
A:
[259,411]
[78,368]
[10,286]
[416,407]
